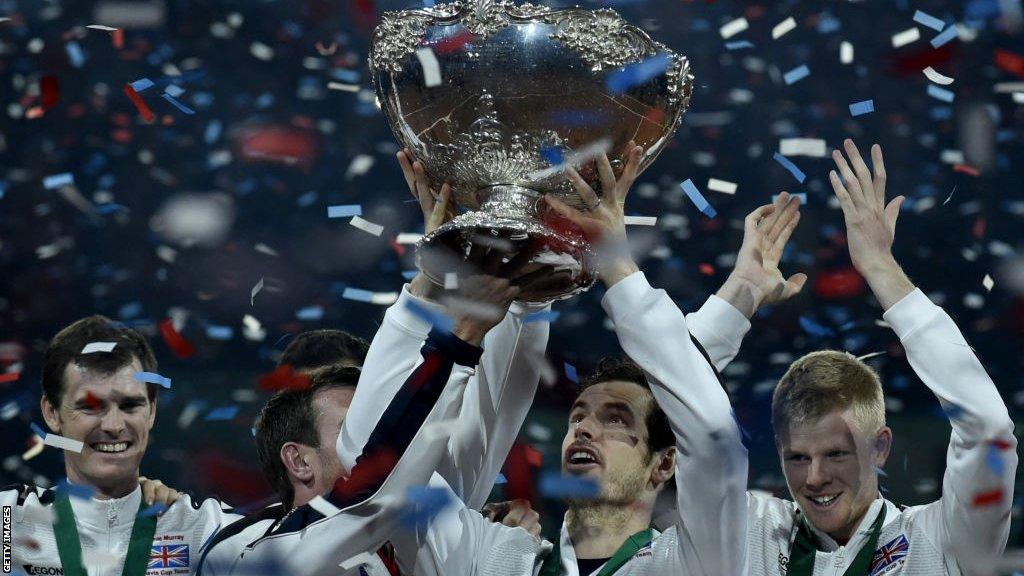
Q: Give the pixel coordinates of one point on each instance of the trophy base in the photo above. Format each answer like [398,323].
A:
[557,269]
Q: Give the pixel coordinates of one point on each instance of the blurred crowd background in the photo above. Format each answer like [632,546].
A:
[200,215]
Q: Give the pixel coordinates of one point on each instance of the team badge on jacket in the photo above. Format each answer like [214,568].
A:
[890,556]
[168,557]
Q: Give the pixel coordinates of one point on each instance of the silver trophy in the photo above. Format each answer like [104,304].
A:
[496,98]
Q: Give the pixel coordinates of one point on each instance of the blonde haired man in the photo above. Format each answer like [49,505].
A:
[828,413]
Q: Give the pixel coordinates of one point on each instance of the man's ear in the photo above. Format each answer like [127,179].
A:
[665,466]
[295,461]
[51,414]
[882,445]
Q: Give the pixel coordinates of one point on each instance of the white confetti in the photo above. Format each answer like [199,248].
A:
[98,347]
[384,298]
[255,290]
[360,165]
[1018,97]
[733,28]
[846,53]
[343,87]
[261,51]
[361,559]
[366,226]
[408,238]
[936,77]
[431,68]
[63,443]
[988,283]
[783,28]
[451,280]
[952,157]
[813,147]
[906,37]
[102,27]
[261,247]
[592,150]
[1008,87]
[722,186]
[324,507]
[641,220]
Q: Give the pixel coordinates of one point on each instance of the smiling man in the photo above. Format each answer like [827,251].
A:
[828,412]
[96,399]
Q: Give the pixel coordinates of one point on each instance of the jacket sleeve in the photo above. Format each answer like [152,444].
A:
[720,328]
[711,521]
[972,519]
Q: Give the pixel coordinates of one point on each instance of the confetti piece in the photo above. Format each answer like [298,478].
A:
[801,196]
[178,104]
[344,211]
[37,429]
[940,93]
[360,165]
[321,505]
[722,186]
[58,180]
[797,74]
[500,479]
[901,39]
[9,377]
[862,108]
[814,147]
[366,226]
[815,329]
[174,90]
[102,27]
[63,443]
[733,28]
[555,485]
[739,45]
[422,503]
[552,154]
[967,169]
[793,169]
[310,313]
[988,498]
[541,316]
[255,290]
[383,298]
[153,378]
[934,76]
[619,81]
[75,54]
[49,90]
[879,471]
[343,87]
[80,491]
[221,413]
[140,104]
[141,84]
[153,510]
[451,281]
[698,199]
[220,332]
[570,373]
[408,238]
[945,37]
[181,347]
[987,282]
[641,220]
[846,53]
[431,67]
[92,347]
[437,319]
[994,460]
[261,51]
[284,377]
[928,20]
[783,28]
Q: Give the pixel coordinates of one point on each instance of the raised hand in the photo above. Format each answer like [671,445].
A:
[437,209]
[870,222]
[156,492]
[756,279]
[479,304]
[514,513]
[603,223]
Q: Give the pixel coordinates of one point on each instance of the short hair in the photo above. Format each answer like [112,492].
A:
[827,381]
[289,417]
[659,433]
[66,347]
[317,348]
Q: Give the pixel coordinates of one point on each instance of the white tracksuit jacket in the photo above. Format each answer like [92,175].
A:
[951,536]
[105,527]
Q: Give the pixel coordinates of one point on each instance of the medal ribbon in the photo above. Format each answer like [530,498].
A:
[553,563]
[69,546]
[801,553]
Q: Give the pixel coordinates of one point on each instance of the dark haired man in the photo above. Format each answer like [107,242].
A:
[315,349]
[99,398]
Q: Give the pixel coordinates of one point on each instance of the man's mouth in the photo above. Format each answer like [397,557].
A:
[110,447]
[825,501]
[581,457]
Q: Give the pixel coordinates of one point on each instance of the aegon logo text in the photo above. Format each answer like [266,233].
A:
[49,570]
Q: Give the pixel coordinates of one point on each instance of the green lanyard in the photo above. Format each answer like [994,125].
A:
[801,553]
[553,563]
[69,547]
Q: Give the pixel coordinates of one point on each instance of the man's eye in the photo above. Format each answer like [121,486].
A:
[837,454]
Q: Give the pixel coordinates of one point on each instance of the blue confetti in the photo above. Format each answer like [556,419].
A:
[344,211]
[75,54]
[542,316]
[79,491]
[500,479]
[222,413]
[863,107]
[174,90]
[945,37]
[928,20]
[940,93]
[422,503]
[815,329]
[553,155]
[58,180]
[177,104]
[634,74]
[153,378]
[436,319]
[220,332]
[952,412]
[797,74]
[879,471]
[111,208]
[154,510]
[554,485]
[310,313]
[409,274]
[141,84]
[570,373]
[994,459]
[698,199]
[357,294]
[793,169]
[802,196]
[38,430]
[739,45]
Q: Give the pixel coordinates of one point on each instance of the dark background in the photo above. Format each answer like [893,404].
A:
[269,148]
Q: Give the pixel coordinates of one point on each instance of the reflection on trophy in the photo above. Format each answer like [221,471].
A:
[497,98]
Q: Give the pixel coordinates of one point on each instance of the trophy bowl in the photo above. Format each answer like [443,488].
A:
[496,98]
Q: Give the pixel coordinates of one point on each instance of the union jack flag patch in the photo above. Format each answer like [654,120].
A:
[887,555]
[169,556]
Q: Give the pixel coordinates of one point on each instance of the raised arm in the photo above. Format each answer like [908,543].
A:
[972,519]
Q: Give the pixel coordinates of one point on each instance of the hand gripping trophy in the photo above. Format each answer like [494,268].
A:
[497,98]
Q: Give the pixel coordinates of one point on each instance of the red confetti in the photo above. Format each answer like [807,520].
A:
[1010,62]
[966,169]
[118,38]
[92,401]
[140,104]
[520,469]
[1001,445]
[398,248]
[838,284]
[181,347]
[707,269]
[9,377]
[454,43]
[978,230]
[988,498]
[284,378]
[49,88]
[370,470]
